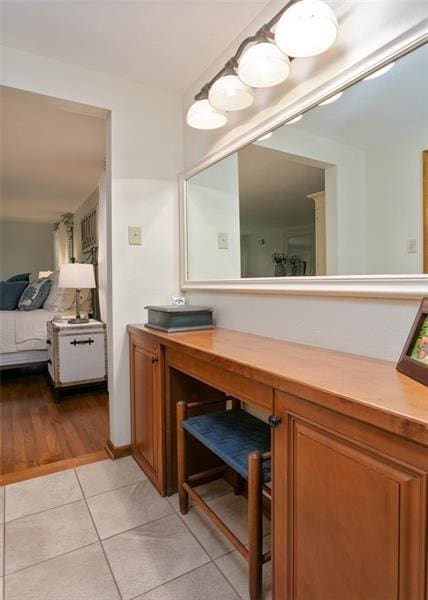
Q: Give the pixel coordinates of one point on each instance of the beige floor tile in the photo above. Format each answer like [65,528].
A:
[151,555]
[47,534]
[235,569]
[233,511]
[35,495]
[2,504]
[106,475]
[79,575]
[205,583]
[208,491]
[127,507]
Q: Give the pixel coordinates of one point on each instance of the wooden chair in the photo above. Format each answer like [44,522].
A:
[242,442]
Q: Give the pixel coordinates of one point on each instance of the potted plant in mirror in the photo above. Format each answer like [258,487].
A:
[288,266]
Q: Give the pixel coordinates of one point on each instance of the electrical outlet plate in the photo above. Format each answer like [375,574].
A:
[223,241]
[134,235]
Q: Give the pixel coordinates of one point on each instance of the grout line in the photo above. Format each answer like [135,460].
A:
[120,487]
[171,580]
[100,541]
[226,579]
[45,560]
[43,511]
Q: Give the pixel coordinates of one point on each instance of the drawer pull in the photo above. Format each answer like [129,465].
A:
[80,342]
[154,360]
[274,421]
[48,342]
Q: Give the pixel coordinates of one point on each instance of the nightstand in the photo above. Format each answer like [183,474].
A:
[77,354]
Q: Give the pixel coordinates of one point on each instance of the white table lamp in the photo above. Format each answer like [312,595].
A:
[78,276]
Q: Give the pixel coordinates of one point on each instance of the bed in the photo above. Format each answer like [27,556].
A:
[23,336]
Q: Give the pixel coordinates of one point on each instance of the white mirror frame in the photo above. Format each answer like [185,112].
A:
[413,286]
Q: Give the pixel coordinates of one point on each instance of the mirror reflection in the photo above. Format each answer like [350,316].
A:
[339,191]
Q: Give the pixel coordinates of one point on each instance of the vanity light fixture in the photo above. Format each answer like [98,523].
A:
[229,93]
[302,28]
[263,65]
[201,115]
[306,29]
[331,99]
[380,72]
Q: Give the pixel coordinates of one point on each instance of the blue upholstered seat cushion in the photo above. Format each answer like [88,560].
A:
[20,277]
[232,435]
[10,293]
[35,294]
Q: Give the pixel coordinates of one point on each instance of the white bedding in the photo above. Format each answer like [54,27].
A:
[23,330]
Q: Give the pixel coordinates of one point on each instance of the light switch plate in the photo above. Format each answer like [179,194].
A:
[134,235]
[411,246]
[223,241]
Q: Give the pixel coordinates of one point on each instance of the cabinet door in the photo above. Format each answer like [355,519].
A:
[147,410]
[349,508]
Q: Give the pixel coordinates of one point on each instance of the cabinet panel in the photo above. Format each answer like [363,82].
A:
[350,521]
[147,410]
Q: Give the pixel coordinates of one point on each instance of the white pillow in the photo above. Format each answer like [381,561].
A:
[59,299]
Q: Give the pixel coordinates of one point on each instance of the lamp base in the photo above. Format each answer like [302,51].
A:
[78,321]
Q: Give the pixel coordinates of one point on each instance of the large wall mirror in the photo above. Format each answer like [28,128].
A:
[337,191]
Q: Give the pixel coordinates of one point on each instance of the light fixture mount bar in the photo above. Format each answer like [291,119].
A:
[264,34]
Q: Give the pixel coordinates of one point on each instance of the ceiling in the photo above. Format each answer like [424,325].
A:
[273,189]
[52,155]
[164,44]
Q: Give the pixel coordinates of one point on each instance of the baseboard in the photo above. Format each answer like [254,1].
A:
[117,451]
[53,467]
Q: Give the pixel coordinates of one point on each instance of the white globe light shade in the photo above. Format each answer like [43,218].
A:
[307,28]
[229,93]
[263,65]
[201,115]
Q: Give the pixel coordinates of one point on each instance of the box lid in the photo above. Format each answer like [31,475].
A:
[185,308]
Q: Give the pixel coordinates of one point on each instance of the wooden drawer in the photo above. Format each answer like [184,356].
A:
[233,384]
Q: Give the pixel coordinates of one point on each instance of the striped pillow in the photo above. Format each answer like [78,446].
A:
[35,294]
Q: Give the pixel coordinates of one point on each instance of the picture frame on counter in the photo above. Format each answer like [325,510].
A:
[413,361]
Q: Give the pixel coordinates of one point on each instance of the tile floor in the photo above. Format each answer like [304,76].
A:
[102,532]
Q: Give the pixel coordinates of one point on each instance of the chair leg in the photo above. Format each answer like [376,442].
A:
[255,525]
[183,496]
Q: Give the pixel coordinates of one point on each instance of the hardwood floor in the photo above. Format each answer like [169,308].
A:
[35,432]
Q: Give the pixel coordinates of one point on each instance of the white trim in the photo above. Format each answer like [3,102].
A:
[380,286]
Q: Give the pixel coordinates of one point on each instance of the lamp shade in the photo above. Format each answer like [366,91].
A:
[76,275]
[201,115]
[229,93]
[307,28]
[263,65]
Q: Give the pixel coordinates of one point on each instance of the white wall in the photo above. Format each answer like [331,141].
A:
[25,247]
[213,208]
[146,155]
[370,327]
[394,212]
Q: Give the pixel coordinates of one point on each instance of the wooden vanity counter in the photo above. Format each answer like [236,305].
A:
[349,453]
[358,386]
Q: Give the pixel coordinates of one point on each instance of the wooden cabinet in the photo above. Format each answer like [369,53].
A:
[350,455]
[350,506]
[147,408]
